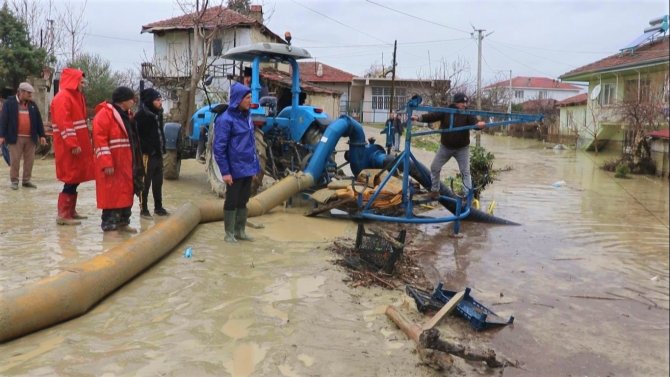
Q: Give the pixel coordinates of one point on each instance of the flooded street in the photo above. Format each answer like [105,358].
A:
[586,276]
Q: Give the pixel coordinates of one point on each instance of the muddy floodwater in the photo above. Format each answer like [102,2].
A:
[585,276]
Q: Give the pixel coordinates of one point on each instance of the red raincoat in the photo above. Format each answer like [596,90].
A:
[68,115]
[112,150]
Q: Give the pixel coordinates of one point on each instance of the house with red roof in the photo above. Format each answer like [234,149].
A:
[637,73]
[329,77]
[173,50]
[523,88]
[572,116]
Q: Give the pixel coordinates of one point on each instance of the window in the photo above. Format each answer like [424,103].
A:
[637,90]
[518,94]
[542,94]
[381,97]
[216,48]
[607,94]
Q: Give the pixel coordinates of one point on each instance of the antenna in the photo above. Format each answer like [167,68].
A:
[595,92]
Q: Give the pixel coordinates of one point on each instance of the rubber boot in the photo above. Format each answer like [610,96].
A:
[229,223]
[240,224]
[74,213]
[65,205]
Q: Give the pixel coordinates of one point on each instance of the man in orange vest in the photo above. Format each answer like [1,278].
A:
[72,143]
[119,171]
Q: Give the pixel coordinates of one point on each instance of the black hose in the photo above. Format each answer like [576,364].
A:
[422,175]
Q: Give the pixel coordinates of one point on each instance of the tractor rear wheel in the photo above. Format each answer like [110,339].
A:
[171,165]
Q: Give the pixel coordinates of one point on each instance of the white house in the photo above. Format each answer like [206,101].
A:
[521,89]
[174,47]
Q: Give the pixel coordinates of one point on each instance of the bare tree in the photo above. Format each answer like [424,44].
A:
[446,79]
[205,27]
[593,128]
[572,127]
[497,98]
[72,20]
[641,110]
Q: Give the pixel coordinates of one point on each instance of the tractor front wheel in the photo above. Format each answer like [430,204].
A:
[171,165]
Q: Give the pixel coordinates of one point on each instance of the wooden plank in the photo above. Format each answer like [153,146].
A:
[446,309]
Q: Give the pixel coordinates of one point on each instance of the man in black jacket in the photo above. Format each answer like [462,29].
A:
[452,144]
[21,128]
[152,141]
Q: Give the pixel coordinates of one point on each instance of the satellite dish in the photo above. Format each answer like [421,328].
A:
[595,92]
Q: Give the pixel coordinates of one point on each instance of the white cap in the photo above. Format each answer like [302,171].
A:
[26,87]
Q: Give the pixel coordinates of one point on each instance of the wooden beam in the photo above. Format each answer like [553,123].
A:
[446,309]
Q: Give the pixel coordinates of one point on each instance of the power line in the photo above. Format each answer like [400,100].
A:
[341,23]
[418,18]
[552,50]
[116,38]
[416,43]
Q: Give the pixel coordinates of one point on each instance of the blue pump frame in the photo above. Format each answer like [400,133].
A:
[462,211]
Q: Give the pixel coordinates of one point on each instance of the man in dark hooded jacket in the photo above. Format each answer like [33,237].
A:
[149,121]
[234,150]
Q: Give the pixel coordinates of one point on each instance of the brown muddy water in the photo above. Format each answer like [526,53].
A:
[586,277]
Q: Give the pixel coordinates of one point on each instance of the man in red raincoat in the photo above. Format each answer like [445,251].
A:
[72,143]
[118,160]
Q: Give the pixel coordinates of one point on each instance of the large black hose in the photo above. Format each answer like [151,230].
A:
[422,175]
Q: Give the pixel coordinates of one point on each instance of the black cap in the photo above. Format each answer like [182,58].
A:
[247,71]
[460,98]
[122,93]
[148,95]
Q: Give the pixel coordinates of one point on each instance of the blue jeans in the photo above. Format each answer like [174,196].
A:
[443,155]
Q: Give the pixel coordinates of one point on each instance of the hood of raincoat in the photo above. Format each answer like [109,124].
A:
[237,93]
[70,78]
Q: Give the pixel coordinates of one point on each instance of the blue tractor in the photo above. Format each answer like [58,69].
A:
[285,137]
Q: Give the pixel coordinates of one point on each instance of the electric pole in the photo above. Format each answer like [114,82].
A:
[395,46]
[478,134]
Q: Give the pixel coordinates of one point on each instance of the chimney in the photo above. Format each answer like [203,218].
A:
[319,70]
[256,12]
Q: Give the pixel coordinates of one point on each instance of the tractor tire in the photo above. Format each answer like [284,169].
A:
[171,165]
[214,174]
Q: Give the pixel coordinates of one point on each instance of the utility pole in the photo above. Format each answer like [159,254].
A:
[509,103]
[478,134]
[395,46]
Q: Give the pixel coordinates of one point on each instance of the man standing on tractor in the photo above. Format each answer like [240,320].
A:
[118,161]
[452,144]
[234,150]
[21,127]
[149,120]
[72,143]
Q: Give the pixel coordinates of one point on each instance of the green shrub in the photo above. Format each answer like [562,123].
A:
[622,170]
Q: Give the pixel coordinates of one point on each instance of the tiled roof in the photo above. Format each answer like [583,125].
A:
[654,52]
[579,99]
[284,79]
[534,83]
[218,16]
[309,70]
[538,104]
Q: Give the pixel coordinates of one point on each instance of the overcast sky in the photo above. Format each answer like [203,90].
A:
[530,38]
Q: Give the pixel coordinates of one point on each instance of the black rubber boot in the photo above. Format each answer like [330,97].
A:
[240,224]
[229,223]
